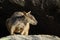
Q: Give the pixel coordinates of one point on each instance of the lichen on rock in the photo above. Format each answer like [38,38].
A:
[30,37]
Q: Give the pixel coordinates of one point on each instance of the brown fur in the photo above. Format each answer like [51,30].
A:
[20,25]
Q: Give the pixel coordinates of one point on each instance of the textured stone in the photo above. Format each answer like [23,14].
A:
[30,37]
[19,2]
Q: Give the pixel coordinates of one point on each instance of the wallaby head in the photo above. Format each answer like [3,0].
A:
[30,18]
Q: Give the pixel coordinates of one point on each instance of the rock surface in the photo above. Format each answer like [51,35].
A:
[19,2]
[30,37]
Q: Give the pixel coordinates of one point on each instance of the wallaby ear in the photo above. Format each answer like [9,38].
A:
[29,12]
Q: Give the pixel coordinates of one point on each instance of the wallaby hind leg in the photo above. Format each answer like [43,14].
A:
[21,30]
[12,30]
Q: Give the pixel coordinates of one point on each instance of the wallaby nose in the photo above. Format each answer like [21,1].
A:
[35,23]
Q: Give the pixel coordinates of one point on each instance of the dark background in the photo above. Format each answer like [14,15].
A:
[48,17]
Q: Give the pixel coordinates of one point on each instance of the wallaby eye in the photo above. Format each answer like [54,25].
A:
[20,17]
